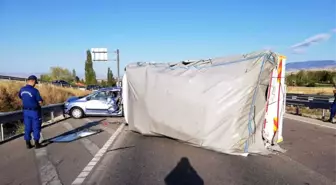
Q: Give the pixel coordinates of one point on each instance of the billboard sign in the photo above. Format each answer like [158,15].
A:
[99,54]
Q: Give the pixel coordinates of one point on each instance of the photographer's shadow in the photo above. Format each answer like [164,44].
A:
[183,174]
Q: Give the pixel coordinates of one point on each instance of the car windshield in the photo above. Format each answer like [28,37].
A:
[100,95]
[92,94]
[104,94]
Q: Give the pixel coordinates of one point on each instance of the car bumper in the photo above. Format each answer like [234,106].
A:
[66,110]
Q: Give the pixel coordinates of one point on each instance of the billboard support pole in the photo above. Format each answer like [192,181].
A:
[93,51]
[118,66]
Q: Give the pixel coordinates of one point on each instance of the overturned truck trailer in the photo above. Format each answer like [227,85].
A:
[233,105]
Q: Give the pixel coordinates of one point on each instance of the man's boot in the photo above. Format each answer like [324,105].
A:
[37,144]
[29,145]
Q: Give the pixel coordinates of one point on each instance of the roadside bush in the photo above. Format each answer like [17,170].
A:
[10,101]
[311,84]
[307,78]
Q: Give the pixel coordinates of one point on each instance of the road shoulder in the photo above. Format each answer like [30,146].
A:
[310,121]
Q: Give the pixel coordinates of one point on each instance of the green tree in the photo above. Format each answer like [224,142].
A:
[90,75]
[74,74]
[45,78]
[291,80]
[302,78]
[103,83]
[327,77]
[110,79]
[77,79]
[312,78]
[59,73]
[334,79]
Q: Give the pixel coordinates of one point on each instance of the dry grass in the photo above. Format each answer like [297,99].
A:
[10,101]
[311,90]
[309,113]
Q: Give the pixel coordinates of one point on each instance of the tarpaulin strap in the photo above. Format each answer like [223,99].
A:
[266,58]
[282,108]
[220,64]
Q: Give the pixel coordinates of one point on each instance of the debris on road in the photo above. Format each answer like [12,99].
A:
[72,136]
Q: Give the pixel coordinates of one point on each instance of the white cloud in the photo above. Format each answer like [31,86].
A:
[311,40]
[300,47]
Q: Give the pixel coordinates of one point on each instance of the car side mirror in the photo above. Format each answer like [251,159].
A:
[88,98]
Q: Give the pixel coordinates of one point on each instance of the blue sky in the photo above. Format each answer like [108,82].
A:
[36,35]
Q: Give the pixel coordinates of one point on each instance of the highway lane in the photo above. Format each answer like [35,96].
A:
[57,162]
[136,159]
[311,145]
[140,160]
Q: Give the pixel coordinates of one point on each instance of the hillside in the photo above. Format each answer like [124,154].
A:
[311,65]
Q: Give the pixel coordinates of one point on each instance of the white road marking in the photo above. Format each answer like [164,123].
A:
[48,172]
[107,129]
[310,121]
[88,144]
[86,171]
[41,137]
[102,168]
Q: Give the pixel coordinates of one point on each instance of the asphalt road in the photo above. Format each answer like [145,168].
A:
[56,162]
[139,160]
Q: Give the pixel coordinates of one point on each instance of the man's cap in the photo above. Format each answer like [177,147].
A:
[32,77]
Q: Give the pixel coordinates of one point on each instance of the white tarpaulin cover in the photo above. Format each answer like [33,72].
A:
[218,104]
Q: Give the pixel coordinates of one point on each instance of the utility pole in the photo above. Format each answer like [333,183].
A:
[118,63]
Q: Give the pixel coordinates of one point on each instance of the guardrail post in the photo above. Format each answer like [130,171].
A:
[2,132]
[52,116]
[323,114]
[297,110]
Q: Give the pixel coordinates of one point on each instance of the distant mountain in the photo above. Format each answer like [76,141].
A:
[311,65]
[38,74]
[21,75]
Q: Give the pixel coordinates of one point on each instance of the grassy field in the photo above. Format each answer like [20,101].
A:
[9,90]
[310,113]
[311,90]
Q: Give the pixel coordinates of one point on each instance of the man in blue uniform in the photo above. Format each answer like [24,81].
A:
[31,100]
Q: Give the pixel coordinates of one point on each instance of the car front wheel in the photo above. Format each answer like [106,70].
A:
[76,113]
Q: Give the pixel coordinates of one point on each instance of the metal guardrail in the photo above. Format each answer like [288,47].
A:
[310,100]
[13,78]
[51,111]
[11,121]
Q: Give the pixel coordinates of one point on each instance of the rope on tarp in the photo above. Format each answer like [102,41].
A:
[155,64]
[267,56]
[243,59]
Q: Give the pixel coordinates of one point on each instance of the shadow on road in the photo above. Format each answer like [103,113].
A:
[75,134]
[183,174]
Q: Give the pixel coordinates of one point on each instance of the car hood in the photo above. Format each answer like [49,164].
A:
[73,98]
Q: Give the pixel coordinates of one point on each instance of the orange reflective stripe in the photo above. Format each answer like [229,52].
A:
[275,124]
[279,69]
